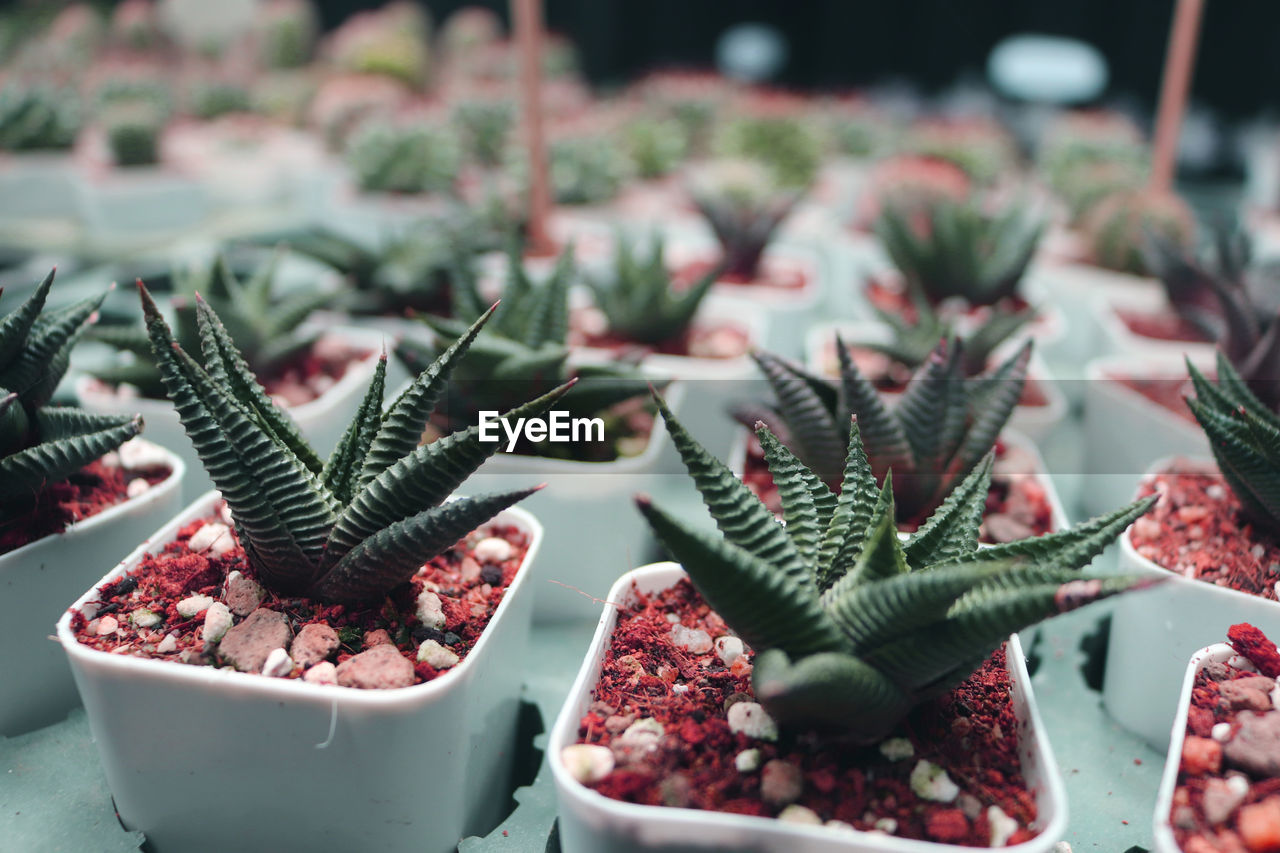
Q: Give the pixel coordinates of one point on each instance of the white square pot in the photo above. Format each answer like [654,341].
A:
[203,759]
[591,822]
[140,204]
[37,185]
[1117,338]
[1153,634]
[36,582]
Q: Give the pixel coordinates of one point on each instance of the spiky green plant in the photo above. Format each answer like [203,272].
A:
[42,444]
[853,627]
[586,170]
[983,149]
[913,340]
[639,301]
[786,145]
[38,117]
[348,529]
[744,208]
[133,133]
[524,352]
[485,127]
[265,328]
[955,249]
[417,157]
[286,33]
[1117,227]
[209,99]
[1244,435]
[935,434]
[656,145]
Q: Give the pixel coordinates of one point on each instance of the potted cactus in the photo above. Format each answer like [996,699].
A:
[318,373]
[982,149]
[750,689]
[75,488]
[402,171]
[237,611]
[39,124]
[1213,532]
[910,183]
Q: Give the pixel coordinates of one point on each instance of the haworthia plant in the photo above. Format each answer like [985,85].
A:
[745,210]
[1244,435]
[348,529]
[852,626]
[639,301]
[911,343]
[932,437]
[42,444]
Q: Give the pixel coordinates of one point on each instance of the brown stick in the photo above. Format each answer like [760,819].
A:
[1178,64]
[528,22]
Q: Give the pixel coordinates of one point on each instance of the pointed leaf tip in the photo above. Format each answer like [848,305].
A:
[643,500]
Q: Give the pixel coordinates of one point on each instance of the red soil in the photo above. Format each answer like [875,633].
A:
[1162,327]
[95,488]
[695,342]
[781,277]
[971,732]
[161,580]
[888,293]
[1165,392]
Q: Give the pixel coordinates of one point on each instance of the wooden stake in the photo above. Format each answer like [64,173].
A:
[1178,64]
[528,22]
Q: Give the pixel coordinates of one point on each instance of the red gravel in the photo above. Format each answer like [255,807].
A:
[161,580]
[889,293]
[84,494]
[787,278]
[1165,392]
[332,364]
[1163,327]
[693,340]
[1198,530]
[971,732]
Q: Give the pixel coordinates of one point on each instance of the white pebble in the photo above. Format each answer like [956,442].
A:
[137,486]
[1257,551]
[1238,785]
[168,645]
[108,625]
[1061,847]
[1002,826]
[645,728]
[430,611]
[322,673]
[439,657]
[191,605]
[679,689]
[217,621]
[672,618]
[840,825]
[278,664]
[897,749]
[931,782]
[1222,731]
[214,537]
[747,761]
[110,460]
[796,813]
[695,640]
[587,762]
[128,391]
[887,824]
[136,453]
[750,719]
[225,513]
[143,618]
[729,649]
[1216,492]
[493,550]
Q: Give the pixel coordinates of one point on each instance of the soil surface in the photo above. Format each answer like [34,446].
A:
[314,372]
[718,340]
[1198,530]
[96,487]
[157,612]
[1167,392]
[1228,792]
[776,275]
[1163,327]
[700,762]
[888,292]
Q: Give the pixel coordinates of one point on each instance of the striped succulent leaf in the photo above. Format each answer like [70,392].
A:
[853,624]
[42,444]
[349,529]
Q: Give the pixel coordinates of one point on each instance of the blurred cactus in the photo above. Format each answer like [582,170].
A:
[38,117]
[912,185]
[135,26]
[744,208]
[484,128]
[133,131]
[415,157]
[469,29]
[587,170]
[1118,226]
[209,99]
[982,149]
[391,42]
[786,145]
[286,31]
[657,146]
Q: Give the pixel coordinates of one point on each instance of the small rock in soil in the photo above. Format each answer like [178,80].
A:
[242,594]
[781,783]
[1001,825]
[137,486]
[322,673]
[217,621]
[1259,825]
[931,782]
[886,825]
[213,539]
[278,664]
[470,570]
[430,611]
[729,649]
[970,805]
[1256,745]
[638,741]
[947,825]
[144,618]
[1221,799]
[168,645]
[617,723]
[897,749]
[587,762]
[108,625]
[493,550]
[694,640]
[799,814]
[675,791]
[1251,693]
[137,455]
[247,645]
[750,719]
[747,761]
[378,668]
[491,574]
[436,655]
[1221,732]
[314,643]
[376,637]
[193,604]
[1201,755]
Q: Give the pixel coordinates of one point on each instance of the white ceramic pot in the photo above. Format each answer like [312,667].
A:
[591,822]
[1162,832]
[203,759]
[1117,338]
[322,420]
[1124,432]
[37,185]
[36,582]
[141,204]
[1152,634]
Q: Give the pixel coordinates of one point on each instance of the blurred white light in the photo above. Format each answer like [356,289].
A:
[1047,69]
[751,52]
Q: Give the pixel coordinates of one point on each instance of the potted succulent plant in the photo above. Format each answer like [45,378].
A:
[75,488]
[1213,534]
[401,171]
[317,372]
[1218,787]
[752,689]
[39,124]
[234,619]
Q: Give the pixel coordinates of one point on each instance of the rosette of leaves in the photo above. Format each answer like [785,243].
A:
[38,117]
[744,208]
[484,127]
[524,352]
[861,131]
[39,443]
[1244,434]
[586,170]
[264,327]
[639,301]
[1118,226]
[1084,156]
[954,249]
[983,149]
[852,626]
[786,145]
[211,98]
[656,146]
[348,529]
[133,131]
[912,342]
[394,157]
[939,429]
